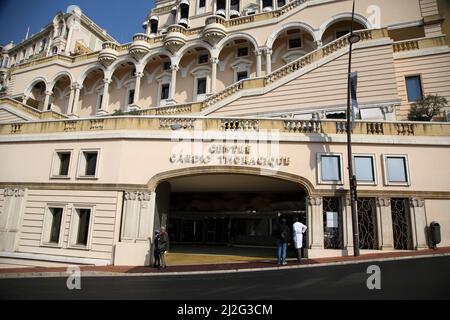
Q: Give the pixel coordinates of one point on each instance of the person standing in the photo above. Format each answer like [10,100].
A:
[163,246]
[156,259]
[282,234]
[298,230]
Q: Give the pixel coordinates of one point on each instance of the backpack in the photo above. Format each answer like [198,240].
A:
[284,235]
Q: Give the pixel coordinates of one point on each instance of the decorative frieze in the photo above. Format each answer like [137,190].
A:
[416,202]
[141,196]
[315,201]
[383,202]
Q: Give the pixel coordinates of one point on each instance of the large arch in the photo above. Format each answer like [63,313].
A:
[34,82]
[302,182]
[192,45]
[58,76]
[151,54]
[342,17]
[112,68]
[239,35]
[292,25]
[89,69]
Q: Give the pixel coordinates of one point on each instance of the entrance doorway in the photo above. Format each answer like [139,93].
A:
[230,210]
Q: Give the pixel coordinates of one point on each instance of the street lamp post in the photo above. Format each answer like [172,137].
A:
[353,38]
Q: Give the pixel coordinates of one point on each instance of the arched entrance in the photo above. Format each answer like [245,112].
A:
[208,210]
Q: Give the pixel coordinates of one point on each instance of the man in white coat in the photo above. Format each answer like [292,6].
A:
[299,230]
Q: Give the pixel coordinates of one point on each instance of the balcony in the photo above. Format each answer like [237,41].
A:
[214,30]
[175,38]
[140,46]
[108,54]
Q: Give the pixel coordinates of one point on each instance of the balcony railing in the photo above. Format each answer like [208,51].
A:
[288,126]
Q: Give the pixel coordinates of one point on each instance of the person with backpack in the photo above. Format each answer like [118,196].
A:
[283,235]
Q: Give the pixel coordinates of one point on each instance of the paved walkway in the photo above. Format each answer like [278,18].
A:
[261,264]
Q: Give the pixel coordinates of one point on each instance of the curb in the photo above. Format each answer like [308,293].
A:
[91,274]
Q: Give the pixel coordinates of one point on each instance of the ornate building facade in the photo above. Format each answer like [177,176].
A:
[219,115]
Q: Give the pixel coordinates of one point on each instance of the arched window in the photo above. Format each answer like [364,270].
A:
[55,50]
[234,9]
[221,8]
[267,5]
[153,25]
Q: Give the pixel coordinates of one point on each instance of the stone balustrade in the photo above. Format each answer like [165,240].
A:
[287,126]
[416,44]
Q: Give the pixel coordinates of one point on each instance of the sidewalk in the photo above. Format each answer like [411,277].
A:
[228,267]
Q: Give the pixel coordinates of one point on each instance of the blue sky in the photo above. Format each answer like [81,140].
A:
[121,18]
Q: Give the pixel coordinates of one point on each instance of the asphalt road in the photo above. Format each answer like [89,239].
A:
[425,278]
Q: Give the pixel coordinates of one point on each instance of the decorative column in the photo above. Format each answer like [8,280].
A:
[137,90]
[318,43]
[258,62]
[418,223]
[214,62]
[347,225]
[389,113]
[173,84]
[71,96]
[384,223]
[77,87]
[11,217]
[315,223]
[268,61]
[137,220]
[48,94]
[105,101]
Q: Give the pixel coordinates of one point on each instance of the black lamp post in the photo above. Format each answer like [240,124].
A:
[353,38]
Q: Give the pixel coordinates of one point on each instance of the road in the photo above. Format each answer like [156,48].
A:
[424,278]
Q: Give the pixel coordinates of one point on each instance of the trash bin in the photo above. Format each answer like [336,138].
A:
[435,234]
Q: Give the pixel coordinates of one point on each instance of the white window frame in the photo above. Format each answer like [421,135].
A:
[74,226]
[129,85]
[385,170]
[198,73]
[319,168]
[201,10]
[374,168]
[241,65]
[80,170]
[47,225]
[55,159]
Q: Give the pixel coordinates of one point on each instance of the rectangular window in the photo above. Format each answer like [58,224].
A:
[413,88]
[88,164]
[55,230]
[281,3]
[295,43]
[61,164]
[201,86]
[84,216]
[330,168]
[165,91]
[202,3]
[242,75]
[365,169]
[242,51]
[131,96]
[396,170]
[203,58]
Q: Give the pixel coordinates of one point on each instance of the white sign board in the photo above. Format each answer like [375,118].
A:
[332,220]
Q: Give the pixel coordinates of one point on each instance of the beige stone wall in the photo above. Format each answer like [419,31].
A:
[434,70]
[439,211]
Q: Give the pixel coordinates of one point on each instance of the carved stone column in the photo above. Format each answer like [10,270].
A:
[258,54]
[268,61]
[173,84]
[137,220]
[11,218]
[48,94]
[105,101]
[347,226]
[418,223]
[315,223]
[214,62]
[384,223]
[76,100]
[137,90]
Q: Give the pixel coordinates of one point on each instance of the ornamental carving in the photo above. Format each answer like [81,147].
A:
[416,202]
[12,192]
[314,201]
[140,196]
[383,202]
